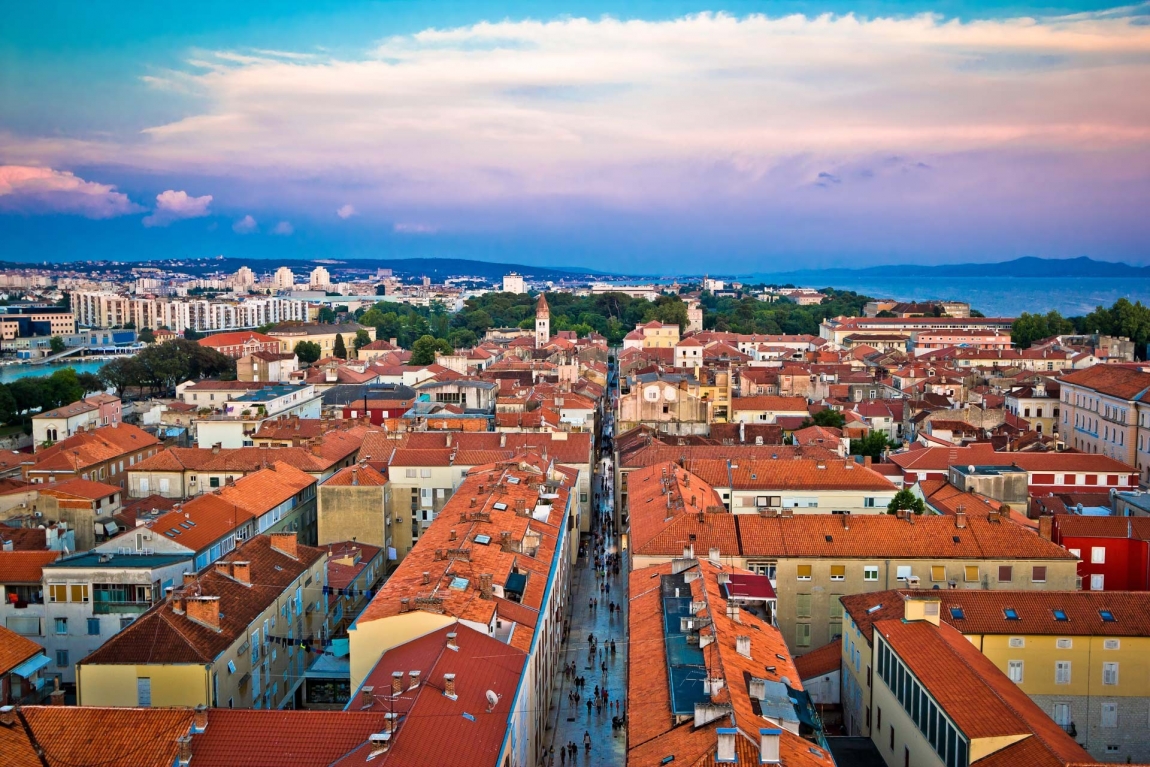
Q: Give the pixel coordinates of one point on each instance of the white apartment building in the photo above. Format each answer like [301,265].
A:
[244,278]
[513,283]
[105,310]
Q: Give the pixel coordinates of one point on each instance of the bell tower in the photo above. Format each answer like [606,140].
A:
[542,322]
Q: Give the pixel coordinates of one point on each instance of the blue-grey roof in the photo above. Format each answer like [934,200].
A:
[269,393]
[134,561]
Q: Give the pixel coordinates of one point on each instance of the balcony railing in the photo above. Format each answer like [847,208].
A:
[112,608]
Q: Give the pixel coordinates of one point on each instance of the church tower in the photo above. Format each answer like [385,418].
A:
[542,322]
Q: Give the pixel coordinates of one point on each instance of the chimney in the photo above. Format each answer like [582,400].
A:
[713,554]
[184,757]
[992,516]
[758,686]
[689,551]
[1045,527]
[204,610]
[56,698]
[412,679]
[727,737]
[426,577]
[200,718]
[7,716]
[724,577]
[900,513]
[960,520]
[769,751]
[404,603]
[285,543]
[216,449]
[224,568]
[189,579]
[452,641]
[449,686]
[451,536]
[867,460]
[367,697]
[396,683]
[733,610]
[485,585]
[743,645]
[846,521]
[242,572]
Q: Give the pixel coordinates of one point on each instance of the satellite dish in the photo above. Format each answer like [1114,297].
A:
[492,700]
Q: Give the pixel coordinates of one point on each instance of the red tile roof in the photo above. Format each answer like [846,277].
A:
[356,475]
[90,448]
[1112,380]
[770,403]
[433,730]
[282,738]
[107,737]
[14,650]
[795,474]
[825,660]
[163,635]
[24,566]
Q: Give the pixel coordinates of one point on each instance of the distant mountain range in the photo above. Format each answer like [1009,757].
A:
[1018,268]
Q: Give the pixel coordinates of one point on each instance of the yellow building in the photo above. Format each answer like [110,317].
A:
[228,638]
[1083,657]
[323,335]
[938,702]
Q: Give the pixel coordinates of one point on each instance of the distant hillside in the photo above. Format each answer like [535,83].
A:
[1018,268]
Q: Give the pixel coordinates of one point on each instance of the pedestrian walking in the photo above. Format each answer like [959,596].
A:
[587,741]
[562,756]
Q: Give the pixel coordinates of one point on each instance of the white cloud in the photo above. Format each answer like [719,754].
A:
[346,211]
[283,227]
[415,228]
[245,225]
[174,206]
[28,189]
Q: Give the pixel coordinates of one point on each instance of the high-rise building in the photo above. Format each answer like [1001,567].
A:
[320,279]
[284,279]
[244,278]
[513,283]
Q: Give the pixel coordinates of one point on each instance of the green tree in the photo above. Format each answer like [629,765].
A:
[873,444]
[907,501]
[192,335]
[362,339]
[146,336]
[65,300]
[463,338]
[307,351]
[424,349]
[828,419]
[7,405]
[56,344]
[90,382]
[121,373]
[326,316]
[61,388]
[339,350]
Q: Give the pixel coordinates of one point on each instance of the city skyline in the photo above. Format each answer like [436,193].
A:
[662,136]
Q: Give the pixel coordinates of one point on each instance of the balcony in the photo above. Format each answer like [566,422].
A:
[120,608]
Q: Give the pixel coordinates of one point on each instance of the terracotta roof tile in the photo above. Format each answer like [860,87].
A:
[108,737]
[282,738]
[770,403]
[356,475]
[24,566]
[825,660]
[14,650]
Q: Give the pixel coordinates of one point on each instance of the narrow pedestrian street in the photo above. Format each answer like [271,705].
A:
[595,652]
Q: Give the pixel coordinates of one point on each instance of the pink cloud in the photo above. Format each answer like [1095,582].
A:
[174,206]
[28,189]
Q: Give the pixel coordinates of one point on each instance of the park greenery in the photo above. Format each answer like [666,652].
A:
[24,397]
[160,367]
[611,315]
[1130,320]
[905,500]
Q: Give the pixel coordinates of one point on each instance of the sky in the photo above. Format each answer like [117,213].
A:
[639,137]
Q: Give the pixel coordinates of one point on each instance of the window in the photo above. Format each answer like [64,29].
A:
[1096,582]
[1061,714]
[1111,644]
[1109,673]
[1010,613]
[868,502]
[803,634]
[1076,552]
[1014,671]
[838,572]
[836,607]
[870,572]
[1005,573]
[213,481]
[892,737]
[957,613]
[61,626]
[1098,555]
[1017,642]
[1064,644]
[409,473]
[57,592]
[971,573]
[62,658]
[804,572]
[425,473]
[93,627]
[938,573]
[903,572]
[1062,672]
[1038,574]
[1108,617]
[143,691]
[1109,714]
[802,605]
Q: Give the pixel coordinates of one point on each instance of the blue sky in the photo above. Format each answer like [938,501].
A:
[645,136]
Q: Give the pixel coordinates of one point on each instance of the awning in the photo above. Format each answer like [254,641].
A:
[31,666]
[516,582]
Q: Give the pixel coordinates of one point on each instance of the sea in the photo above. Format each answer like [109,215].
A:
[10,373]
[1003,297]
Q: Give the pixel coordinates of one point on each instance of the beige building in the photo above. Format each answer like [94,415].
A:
[671,403]
[323,335]
[355,503]
[229,638]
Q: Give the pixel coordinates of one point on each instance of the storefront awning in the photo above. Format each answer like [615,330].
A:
[31,666]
